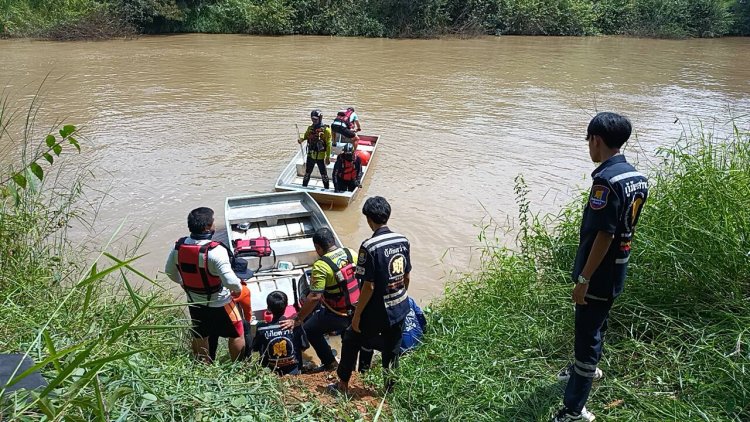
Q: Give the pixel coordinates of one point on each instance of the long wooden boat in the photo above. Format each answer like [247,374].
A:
[291,178]
[289,221]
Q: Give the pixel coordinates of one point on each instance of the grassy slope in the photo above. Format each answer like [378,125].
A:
[678,346]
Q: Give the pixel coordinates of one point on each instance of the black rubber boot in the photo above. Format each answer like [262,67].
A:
[305,180]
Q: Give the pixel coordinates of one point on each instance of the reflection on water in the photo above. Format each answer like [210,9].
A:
[176,122]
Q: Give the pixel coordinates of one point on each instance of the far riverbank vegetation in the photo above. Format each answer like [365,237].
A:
[101,19]
[678,346]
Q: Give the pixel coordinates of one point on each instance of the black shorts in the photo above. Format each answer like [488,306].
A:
[224,321]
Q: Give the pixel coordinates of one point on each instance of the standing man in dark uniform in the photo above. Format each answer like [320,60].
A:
[609,219]
[383,268]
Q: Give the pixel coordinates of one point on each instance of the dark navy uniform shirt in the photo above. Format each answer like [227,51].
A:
[280,350]
[384,260]
[615,203]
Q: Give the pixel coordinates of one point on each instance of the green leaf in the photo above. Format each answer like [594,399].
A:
[49,158]
[20,180]
[73,141]
[149,398]
[67,130]
[50,140]
[57,149]
[37,170]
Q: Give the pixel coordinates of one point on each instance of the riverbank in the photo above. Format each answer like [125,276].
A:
[95,19]
[677,347]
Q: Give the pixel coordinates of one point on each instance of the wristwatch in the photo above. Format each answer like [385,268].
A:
[582,280]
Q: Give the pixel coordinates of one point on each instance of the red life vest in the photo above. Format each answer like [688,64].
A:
[348,170]
[345,299]
[192,264]
[347,116]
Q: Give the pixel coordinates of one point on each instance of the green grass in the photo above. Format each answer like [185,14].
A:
[678,347]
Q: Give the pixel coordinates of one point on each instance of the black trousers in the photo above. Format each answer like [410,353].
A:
[343,185]
[590,325]
[352,342]
[310,165]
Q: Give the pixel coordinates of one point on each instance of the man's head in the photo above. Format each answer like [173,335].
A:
[606,134]
[377,210]
[347,151]
[201,220]
[317,117]
[323,240]
[276,302]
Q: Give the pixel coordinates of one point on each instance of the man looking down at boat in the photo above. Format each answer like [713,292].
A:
[318,137]
[343,127]
[334,291]
[347,172]
[383,267]
[203,269]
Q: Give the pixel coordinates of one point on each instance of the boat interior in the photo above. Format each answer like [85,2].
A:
[289,225]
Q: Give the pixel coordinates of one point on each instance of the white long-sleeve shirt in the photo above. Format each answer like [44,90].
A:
[218,265]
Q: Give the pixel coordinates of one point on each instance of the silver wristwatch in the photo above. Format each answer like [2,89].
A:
[582,280]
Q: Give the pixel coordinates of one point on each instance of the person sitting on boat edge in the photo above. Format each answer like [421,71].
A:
[204,271]
[318,137]
[347,172]
[343,127]
[333,293]
[280,348]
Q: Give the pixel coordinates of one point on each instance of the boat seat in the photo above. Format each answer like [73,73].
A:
[269,213]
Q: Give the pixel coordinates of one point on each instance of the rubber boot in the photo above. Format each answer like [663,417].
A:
[325,181]
[306,180]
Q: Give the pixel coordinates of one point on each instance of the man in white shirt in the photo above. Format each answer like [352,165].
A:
[203,268]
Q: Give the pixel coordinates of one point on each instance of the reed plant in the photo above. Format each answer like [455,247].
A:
[677,347]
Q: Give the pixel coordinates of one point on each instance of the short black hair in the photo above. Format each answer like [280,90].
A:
[378,209]
[323,237]
[199,219]
[613,128]
[276,302]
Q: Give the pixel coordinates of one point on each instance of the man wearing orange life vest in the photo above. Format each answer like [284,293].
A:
[345,127]
[334,292]
[203,269]
[347,172]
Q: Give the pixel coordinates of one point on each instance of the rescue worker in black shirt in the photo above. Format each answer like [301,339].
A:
[318,137]
[609,219]
[383,268]
[280,347]
[347,172]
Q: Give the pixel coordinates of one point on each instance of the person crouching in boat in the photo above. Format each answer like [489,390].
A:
[334,292]
[280,347]
[345,127]
[347,172]
[318,137]
[203,269]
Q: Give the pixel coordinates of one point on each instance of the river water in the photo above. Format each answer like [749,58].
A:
[176,122]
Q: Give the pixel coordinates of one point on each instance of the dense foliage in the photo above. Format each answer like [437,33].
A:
[67,19]
[677,346]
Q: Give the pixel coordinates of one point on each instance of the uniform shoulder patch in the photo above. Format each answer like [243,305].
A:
[598,198]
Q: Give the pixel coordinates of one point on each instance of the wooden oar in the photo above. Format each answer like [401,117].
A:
[298,137]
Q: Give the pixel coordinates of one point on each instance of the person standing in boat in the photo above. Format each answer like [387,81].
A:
[318,137]
[383,268]
[203,268]
[345,127]
[615,203]
[347,172]
[334,292]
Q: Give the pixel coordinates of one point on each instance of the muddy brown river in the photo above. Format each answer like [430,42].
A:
[176,122]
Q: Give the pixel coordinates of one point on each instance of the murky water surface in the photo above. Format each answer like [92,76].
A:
[176,122]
